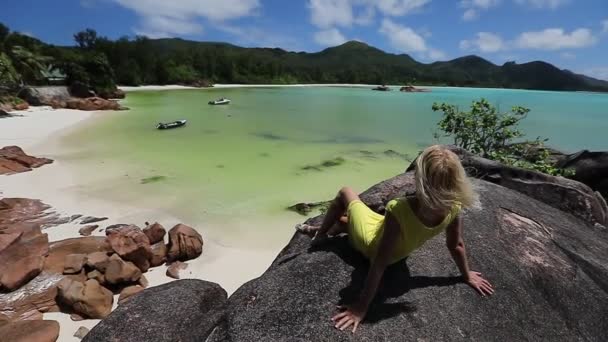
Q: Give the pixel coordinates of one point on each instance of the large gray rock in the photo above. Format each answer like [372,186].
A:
[565,194]
[44,96]
[184,310]
[590,168]
[548,267]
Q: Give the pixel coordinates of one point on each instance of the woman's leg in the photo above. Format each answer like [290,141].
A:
[336,211]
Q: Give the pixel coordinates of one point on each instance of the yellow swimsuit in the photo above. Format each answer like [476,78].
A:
[365,228]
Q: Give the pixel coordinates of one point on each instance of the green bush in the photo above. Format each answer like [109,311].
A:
[485,131]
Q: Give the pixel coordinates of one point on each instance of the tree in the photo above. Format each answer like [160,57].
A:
[4,32]
[485,131]
[86,39]
[29,64]
[8,76]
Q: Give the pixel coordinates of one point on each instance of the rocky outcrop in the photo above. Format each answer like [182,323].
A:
[14,160]
[184,310]
[129,292]
[74,263]
[22,258]
[159,254]
[30,331]
[174,269]
[44,96]
[93,103]
[32,299]
[590,168]
[131,244]
[88,230]
[98,261]
[561,193]
[185,243]
[542,261]
[59,250]
[155,232]
[88,299]
[120,271]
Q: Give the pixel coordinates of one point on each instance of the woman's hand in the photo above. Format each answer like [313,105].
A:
[476,281]
[352,315]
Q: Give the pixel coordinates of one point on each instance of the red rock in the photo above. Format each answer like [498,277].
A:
[143,281]
[185,243]
[95,274]
[98,261]
[30,331]
[30,300]
[14,160]
[89,299]
[81,332]
[88,230]
[155,233]
[92,103]
[128,292]
[58,250]
[21,106]
[174,268]
[23,259]
[159,254]
[7,239]
[25,215]
[74,263]
[131,244]
[120,271]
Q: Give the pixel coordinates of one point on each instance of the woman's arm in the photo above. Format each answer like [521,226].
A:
[455,244]
[353,314]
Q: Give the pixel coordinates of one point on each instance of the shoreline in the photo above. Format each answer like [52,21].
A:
[38,131]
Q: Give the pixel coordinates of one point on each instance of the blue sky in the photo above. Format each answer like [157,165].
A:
[571,34]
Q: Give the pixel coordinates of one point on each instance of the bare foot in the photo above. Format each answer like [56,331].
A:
[307,228]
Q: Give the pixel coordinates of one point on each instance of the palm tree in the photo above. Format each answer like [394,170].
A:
[29,64]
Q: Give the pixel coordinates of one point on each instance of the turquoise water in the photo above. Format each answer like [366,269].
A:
[235,168]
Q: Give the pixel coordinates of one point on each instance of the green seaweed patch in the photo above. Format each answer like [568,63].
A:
[264,154]
[152,179]
[325,164]
[305,209]
[395,154]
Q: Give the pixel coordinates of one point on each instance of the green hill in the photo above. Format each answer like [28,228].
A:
[101,63]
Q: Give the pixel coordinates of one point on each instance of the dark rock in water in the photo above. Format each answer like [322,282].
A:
[395,154]
[325,164]
[307,208]
[561,193]
[590,168]
[184,310]
[92,219]
[548,268]
[268,136]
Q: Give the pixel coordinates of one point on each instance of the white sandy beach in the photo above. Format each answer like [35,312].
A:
[178,87]
[38,131]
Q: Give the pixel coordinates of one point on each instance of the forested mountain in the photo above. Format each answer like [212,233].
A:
[102,62]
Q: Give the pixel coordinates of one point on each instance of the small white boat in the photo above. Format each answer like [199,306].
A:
[169,125]
[222,101]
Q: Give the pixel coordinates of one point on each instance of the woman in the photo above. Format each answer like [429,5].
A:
[442,191]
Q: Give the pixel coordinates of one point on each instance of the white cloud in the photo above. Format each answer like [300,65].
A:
[567,55]
[542,4]
[329,37]
[597,72]
[555,39]
[473,7]
[405,39]
[327,13]
[437,55]
[167,18]
[402,38]
[469,15]
[485,42]
[605,26]
[400,7]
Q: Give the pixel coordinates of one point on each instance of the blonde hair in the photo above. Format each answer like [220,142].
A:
[441,180]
